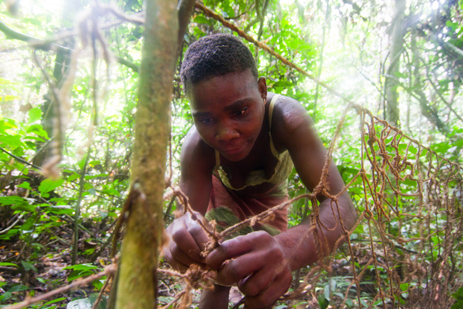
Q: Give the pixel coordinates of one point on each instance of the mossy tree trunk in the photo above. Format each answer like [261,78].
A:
[136,287]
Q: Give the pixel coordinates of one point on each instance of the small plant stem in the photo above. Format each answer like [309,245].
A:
[77,210]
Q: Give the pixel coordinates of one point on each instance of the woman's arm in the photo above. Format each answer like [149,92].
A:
[187,237]
[294,131]
[197,161]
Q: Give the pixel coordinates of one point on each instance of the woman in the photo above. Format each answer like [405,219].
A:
[235,163]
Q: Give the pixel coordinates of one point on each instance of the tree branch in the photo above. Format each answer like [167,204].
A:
[75,242]
[441,96]
[12,34]
[32,300]
[428,112]
[19,159]
[15,35]
[453,48]
[12,225]
[185,9]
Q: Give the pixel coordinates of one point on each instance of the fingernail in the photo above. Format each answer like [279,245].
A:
[211,274]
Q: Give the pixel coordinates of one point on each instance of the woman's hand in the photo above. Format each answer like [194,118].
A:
[257,263]
[187,240]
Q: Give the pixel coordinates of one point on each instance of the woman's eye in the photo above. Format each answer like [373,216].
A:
[241,112]
[205,120]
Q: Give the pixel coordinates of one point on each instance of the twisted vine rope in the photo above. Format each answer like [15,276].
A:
[407,252]
[410,206]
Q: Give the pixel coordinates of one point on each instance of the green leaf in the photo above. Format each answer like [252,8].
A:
[11,233]
[94,296]
[80,270]
[25,185]
[5,296]
[94,163]
[39,246]
[7,98]
[329,289]
[458,294]
[24,207]
[111,192]
[88,251]
[60,210]
[5,81]
[81,267]
[28,266]
[323,302]
[7,124]
[167,299]
[17,203]
[18,288]
[54,301]
[37,129]
[35,114]
[8,264]
[457,305]
[73,177]
[81,163]
[400,74]
[441,147]
[12,200]
[48,185]
[11,141]
[452,25]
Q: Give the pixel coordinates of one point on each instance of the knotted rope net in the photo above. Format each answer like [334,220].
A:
[405,250]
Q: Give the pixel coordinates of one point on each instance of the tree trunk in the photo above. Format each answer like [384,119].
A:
[392,82]
[62,60]
[427,110]
[139,255]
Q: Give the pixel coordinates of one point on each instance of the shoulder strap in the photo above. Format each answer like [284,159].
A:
[270,115]
[217,158]
[270,109]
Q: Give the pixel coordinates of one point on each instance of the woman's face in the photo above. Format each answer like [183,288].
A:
[228,112]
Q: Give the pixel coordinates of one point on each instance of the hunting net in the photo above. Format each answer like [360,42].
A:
[405,249]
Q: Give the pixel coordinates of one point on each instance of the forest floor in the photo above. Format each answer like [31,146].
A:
[28,269]
[36,266]
[32,268]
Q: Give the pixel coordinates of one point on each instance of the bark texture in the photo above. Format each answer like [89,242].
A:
[392,82]
[139,255]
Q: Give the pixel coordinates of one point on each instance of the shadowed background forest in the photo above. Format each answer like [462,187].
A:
[381,79]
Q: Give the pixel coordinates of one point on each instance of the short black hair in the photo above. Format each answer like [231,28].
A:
[215,55]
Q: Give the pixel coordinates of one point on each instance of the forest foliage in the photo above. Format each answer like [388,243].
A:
[400,60]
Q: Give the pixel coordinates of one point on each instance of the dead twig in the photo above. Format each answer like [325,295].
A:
[32,300]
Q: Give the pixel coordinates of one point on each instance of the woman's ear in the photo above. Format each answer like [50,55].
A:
[262,86]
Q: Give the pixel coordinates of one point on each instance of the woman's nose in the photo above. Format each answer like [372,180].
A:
[226,133]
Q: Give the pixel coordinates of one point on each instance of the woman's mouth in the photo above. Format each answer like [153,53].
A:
[232,151]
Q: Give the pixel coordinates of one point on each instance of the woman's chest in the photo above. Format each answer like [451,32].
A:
[256,168]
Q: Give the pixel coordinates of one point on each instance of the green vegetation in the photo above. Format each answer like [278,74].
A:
[404,64]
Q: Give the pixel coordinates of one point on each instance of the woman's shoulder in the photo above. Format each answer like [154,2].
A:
[195,150]
[288,115]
